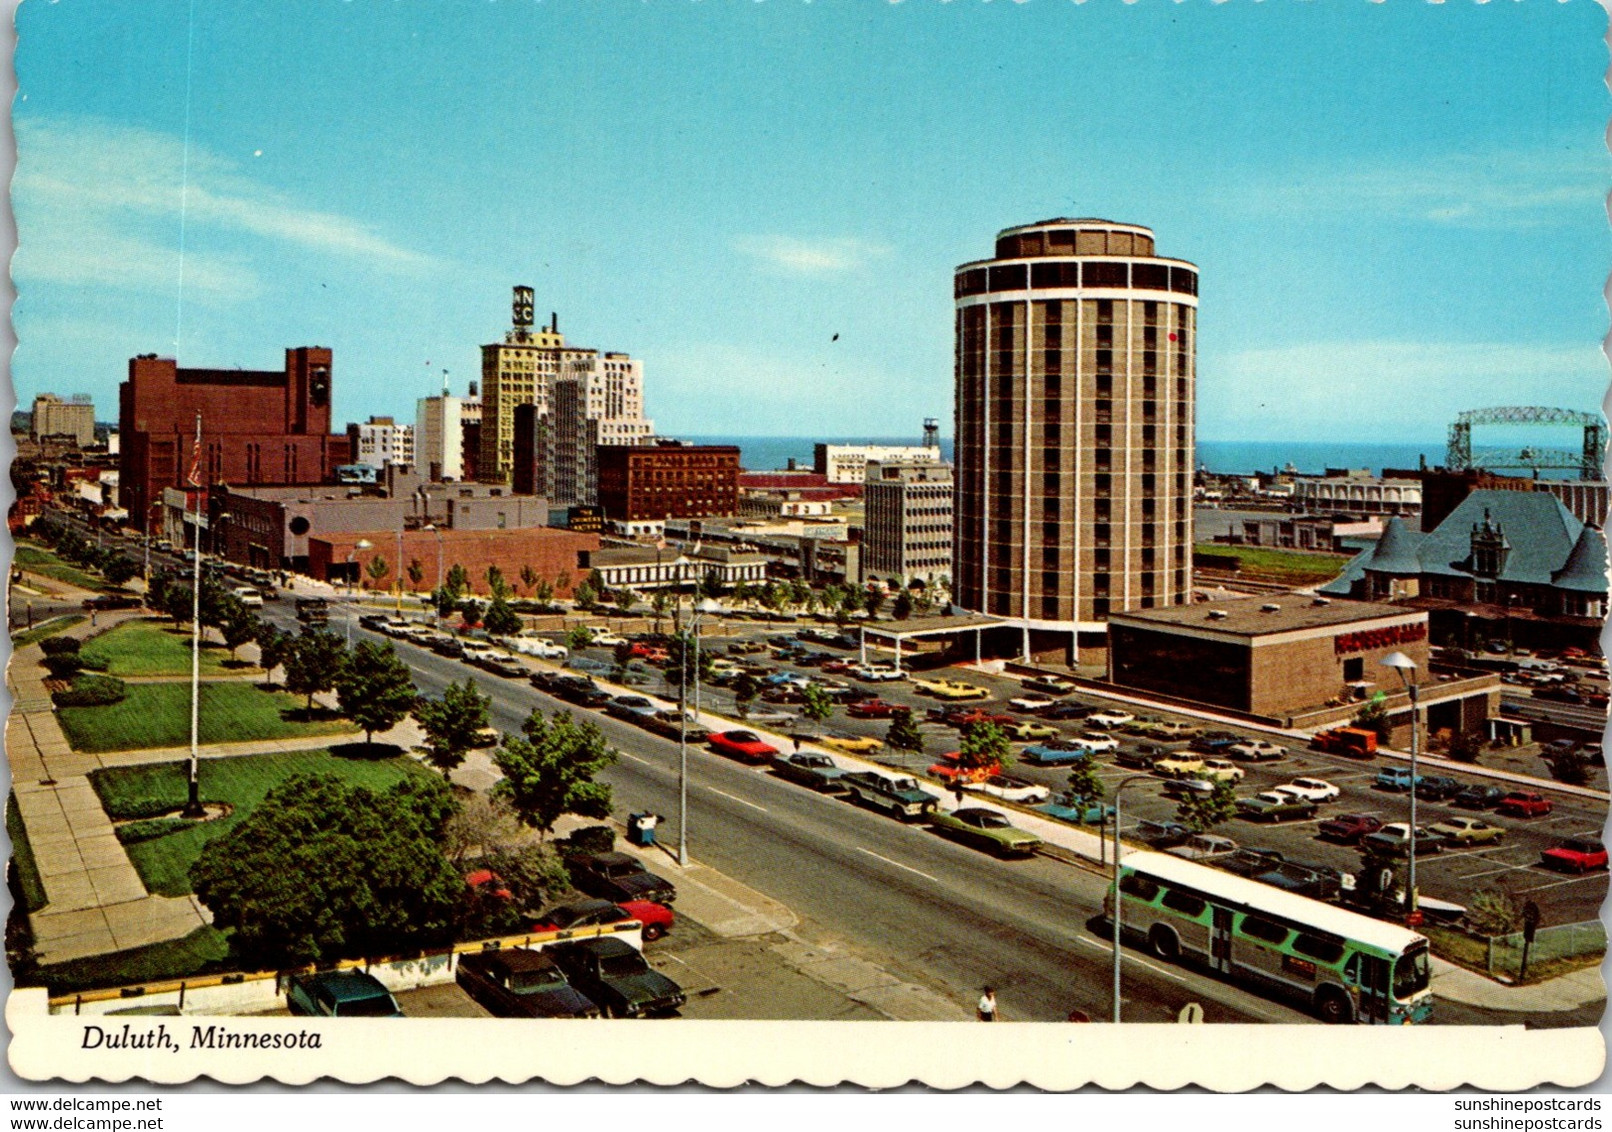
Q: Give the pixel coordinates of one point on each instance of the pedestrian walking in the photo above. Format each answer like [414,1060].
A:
[796,738]
[986,1010]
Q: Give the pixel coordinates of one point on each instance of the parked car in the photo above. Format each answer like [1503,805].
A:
[851,744]
[615,975]
[1214,742]
[1575,854]
[537,646]
[604,639]
[769,715]
[1098,741]
[1395,778]
[1172,732]
[877,673]
[1031,704]
[1026,732]
[1179,764]
[875,709]
[746,746]
[657,919]
[1081,811]
[1311,790]
[634,709]
[1141,757]
[1204,847]
[812,769]
[985,829]
[1160,834]
[1255,751]
[341,994]
[1056,752]
[1010,789]
[521,983]
[505,665]
[1221,769]
[952,690]
[1049,685]
[1468,831]
[949,769]
[1066,711]
[1395,839]
[1479,797]
[1349,828]
[1273,806]
[1437,788]
[1525,804]
[1109,718]
[618,877]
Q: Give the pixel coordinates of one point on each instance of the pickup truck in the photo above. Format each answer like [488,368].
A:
[1355,742]
[899,796]
[809,768]
[1524,804]
[1396,778]
[618,877]
[1271,806]
[615,975]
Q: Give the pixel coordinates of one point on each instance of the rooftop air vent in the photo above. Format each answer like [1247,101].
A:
[1270,607]
[1321,601]
[1218,615]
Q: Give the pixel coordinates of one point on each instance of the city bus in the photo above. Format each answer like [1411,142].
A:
[1345,966]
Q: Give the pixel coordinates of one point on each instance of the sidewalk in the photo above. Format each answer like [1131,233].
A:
[1567,992]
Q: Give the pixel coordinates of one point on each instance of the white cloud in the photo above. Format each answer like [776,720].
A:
[810,257]
[1495,189]
[1385,389]
[99,204]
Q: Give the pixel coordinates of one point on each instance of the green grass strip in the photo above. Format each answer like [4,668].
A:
[38,560]
[154,648]
[204,951]
[46,629]
[22,858]
[158,715]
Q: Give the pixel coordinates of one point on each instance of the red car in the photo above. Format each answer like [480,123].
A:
[967,717]
[746,746]
[874,709]
[488,883]
[834,666]
[1349,828]
[950,773]
[1522,804]
[1576,855]
[656,918]
[652,653]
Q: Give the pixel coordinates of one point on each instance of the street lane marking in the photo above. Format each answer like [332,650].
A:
[737,799]
[1569,880]
[636,759]
[897,864]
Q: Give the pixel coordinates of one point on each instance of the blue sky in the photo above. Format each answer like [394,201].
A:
[1397,208]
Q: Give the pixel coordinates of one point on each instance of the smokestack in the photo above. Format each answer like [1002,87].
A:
[554,322]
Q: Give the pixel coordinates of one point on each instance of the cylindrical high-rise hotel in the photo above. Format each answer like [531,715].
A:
[1075,371]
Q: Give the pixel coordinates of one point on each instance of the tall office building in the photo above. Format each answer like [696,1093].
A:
[381,441]
[527,368]
[907,530]
[439,437]
[54,417]
[1075,366]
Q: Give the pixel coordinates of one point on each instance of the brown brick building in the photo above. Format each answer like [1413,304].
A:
[1293,658]
[558,556]
[668,480]
[258,426]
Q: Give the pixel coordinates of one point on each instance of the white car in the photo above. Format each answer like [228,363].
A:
[1010,789]
[248,596]
[1256,750]
[1097,741]
[537,646]
[877,673]
[1109,717]
[606,639]
[1311,790]
[1031,703]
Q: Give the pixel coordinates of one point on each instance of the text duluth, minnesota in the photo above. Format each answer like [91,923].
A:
[201,1037]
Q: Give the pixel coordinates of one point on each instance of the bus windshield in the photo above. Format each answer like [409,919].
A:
[1410,974]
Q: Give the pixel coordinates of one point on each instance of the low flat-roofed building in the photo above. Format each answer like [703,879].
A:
[643,568]
[556,556]
[1302,660]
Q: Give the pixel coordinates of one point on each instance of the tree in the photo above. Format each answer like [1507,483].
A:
[1465,746]
[579,637]
[1084,782]
[471,609]
[815,704]
[680,659]
[984,744]
[500,620]
[416,574]
[452,724]
[799,593]
[483,824]
[445,601]
[377,569]
[586,597]
[873,600]
[273,647]
[543,591]
[458,580]
[745,688]
[549,770]
[374,688]
[529,579]
[1373,716]
[119,568]
[1200,812]
[240,625]
[323,870]
[313,663]
[496,585]
[904,733]
[596,583]
[902,609]
[659,602]
[711,585]
[1571,767]
[850,602]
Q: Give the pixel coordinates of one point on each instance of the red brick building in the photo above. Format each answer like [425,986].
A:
[258,426]
[555,555]
[668,480]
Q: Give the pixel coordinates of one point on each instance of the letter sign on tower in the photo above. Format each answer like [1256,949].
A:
[523,307]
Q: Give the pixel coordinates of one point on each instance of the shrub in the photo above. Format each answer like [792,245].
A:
[1465,747]
[588,839]
[149,830]
[1492,912]
[63,665]
[91,691]
[58,646]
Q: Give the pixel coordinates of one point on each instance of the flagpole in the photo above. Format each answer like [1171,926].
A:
[193,808]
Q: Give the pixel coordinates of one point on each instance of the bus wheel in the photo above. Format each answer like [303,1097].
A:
[1333,1007]
[1164,943]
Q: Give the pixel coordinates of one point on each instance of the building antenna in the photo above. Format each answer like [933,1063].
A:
[931,432]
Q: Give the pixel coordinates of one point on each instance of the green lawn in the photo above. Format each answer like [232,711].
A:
[46,629]
[164,862]
[158,715]
[22,856]
[1293,567]
[38,560]
[203,951]
[154,648]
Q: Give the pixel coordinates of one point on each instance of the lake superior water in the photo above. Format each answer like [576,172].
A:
[763,453]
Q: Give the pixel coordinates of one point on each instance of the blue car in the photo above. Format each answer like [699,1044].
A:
[1066,807]
[1054,753]
[1396,778]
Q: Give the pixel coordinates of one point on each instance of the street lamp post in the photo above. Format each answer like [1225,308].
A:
[398,565]
[1118,789]
[432,527]
[352,558]
[706,606]
[1406,667]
